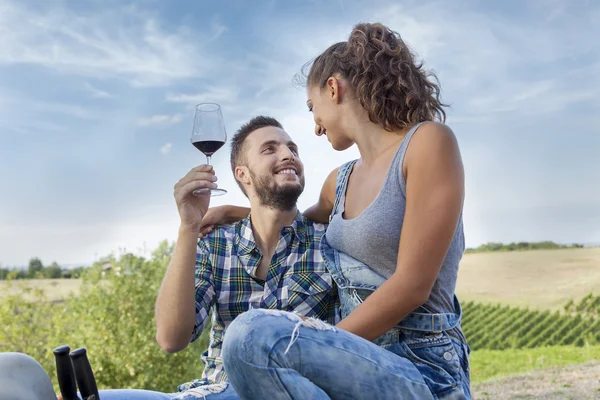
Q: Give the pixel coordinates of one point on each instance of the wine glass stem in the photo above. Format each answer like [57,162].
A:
[208,160]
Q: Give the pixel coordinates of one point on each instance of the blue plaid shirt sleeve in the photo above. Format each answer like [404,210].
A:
[205,289]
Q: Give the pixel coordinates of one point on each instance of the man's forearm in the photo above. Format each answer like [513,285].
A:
[175,304]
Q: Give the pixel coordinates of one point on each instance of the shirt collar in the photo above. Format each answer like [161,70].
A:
[299,227]
[245,237]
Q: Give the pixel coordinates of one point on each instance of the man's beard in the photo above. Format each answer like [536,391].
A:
[273,195]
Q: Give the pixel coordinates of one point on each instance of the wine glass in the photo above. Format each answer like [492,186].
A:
[208,136]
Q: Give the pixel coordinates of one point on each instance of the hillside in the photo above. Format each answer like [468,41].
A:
[538,278]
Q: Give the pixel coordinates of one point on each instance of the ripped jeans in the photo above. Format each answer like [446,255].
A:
[219,391]
[272,354]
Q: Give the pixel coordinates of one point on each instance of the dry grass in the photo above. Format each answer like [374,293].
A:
[538,278]
[573,382]
[55,289]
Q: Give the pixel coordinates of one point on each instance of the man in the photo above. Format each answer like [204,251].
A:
[268,260]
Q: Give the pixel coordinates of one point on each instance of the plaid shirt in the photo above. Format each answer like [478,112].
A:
[226,283]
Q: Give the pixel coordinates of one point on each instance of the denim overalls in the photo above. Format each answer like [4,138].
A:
[422,336]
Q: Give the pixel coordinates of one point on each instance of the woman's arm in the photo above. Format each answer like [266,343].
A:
[228,214]
[322,209]
[434,198]
[221,215]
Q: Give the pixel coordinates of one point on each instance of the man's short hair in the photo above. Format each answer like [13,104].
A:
[238,155]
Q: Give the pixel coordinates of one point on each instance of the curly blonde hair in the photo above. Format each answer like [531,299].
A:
[386,79]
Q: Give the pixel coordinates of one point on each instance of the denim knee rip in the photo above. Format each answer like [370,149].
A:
[312,323]
[202,391]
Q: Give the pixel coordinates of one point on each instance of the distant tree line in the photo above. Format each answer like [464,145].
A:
[521,246]
[37,270]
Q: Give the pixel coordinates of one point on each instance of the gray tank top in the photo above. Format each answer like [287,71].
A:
[373,236]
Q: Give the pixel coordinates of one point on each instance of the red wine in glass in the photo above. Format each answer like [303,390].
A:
[208,136]
[208,147]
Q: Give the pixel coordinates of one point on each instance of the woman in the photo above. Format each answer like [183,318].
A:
[393,245]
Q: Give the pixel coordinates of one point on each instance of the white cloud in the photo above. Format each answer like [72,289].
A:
[97,45]
[166,148]
[50,116]
[210,94]
[97,93]
[217,29]
[160,119]
[489,62]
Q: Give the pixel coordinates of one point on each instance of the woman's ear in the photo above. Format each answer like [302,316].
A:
[332,89]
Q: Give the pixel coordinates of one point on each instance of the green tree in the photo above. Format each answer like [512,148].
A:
[53,271]
[35,268]
[16,274]
[73,273]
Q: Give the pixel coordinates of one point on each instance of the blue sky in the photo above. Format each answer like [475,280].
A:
[96,103]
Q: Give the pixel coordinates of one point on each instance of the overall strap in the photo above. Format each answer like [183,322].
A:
[340,185]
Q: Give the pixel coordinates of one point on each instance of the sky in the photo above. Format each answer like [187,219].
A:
[97,99]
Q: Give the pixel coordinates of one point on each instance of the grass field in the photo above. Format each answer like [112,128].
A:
[486,364]
[539,278]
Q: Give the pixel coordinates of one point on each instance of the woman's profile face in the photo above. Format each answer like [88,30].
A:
[327,116]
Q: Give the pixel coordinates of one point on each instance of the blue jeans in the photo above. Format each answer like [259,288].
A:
[209,392]
[271,354]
